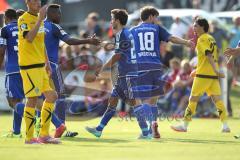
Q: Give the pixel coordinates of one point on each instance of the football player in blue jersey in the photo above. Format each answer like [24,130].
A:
[55,33]
[13,80]
[126,69]
[147,37]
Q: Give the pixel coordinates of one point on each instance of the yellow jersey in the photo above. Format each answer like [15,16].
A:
[206,43]
[34,52]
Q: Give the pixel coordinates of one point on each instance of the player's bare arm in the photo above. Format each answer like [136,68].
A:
[75,41]
[2,54]
[32,33]
[211,61]
[110,63]
[182,41]
[232,52]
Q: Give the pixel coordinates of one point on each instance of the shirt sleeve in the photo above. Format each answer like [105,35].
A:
[59,32]
[164,35]
[23,27]
[3,37]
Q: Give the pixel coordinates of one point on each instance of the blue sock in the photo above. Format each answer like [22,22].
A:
[154,110]
[140,113]
[109,113]
[17,118]
[38,113]
[56,121]
[19,108]
[60,109]
[174,104]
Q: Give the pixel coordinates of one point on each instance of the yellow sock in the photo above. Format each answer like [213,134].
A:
[29,117]
[46,116]
[190,111]
[221,110]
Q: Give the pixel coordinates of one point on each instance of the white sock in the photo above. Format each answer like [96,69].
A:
[225,125]
[185,124]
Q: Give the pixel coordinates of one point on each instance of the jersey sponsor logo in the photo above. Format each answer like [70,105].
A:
[125,45]
[24,26]
[41,30]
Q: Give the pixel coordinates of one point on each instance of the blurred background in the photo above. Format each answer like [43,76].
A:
[82,18]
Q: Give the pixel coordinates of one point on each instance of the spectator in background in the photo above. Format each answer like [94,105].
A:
[191,35]
[218,34]
[235,36]
[104,54]
[67,58]
[175,68]
[93,26]
[98,100]
[165,54]
[181,88]
[178,29]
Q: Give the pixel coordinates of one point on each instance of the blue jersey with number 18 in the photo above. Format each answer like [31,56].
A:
[147,38]
[9,38]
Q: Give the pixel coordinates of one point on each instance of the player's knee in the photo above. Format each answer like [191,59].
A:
[194,98]
[31,102]
[51,96]
[215,99]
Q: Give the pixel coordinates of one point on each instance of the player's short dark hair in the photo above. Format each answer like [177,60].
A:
[148,11]
[11,14]
[203,23]
[121,15]
[19,12]
[54,6]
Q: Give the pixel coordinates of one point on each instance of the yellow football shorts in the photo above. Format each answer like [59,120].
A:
[205,85]
[35,81]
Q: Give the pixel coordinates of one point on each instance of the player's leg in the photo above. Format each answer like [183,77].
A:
[199,87]
[31,91]
[107,116]
[47,109]
[222,112]
[58,117]
[215,92]
[15,95]
[152,108]
[29,117]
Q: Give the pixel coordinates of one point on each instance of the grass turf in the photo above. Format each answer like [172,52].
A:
[119,141]
[203,141]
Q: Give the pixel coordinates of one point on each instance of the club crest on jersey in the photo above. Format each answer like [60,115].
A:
[125,45]
[23,26]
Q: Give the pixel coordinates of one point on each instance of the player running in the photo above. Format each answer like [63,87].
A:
[13,80]
[206,78]
[122,57]
[35,70]
[149,85]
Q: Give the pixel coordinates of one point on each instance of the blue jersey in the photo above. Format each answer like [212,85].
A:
[9,38]
[146,49]
[54,33]
[123,43]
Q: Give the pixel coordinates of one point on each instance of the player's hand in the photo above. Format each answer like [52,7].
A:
[42,13]
[108,46]
[193,73]
[231,52]
[190,44]
[94,40]
[220,74]
[48,69]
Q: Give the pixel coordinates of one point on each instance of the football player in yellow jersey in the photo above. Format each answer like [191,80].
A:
[207,76]
[35,71]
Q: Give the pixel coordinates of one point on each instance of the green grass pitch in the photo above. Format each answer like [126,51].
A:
[119,141]
[204,141]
